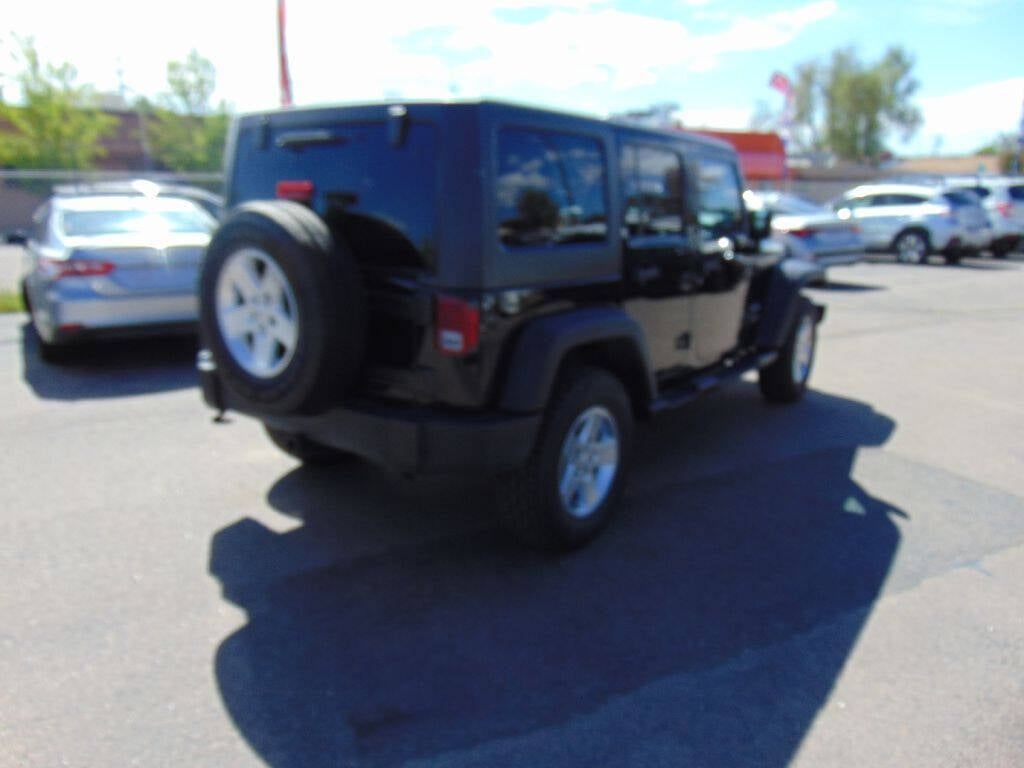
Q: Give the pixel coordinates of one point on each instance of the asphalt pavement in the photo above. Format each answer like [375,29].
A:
[833,583]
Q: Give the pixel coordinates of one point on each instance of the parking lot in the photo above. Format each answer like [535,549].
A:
[831,584]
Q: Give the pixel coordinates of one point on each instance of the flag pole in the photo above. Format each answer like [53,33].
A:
[282,57]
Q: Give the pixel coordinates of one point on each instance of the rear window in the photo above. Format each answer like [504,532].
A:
[381,197]
[550,189]
[959,199]
[981,192]
[135,222]
[792,205]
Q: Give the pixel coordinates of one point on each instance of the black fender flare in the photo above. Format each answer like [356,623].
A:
[783,300]
[606,336]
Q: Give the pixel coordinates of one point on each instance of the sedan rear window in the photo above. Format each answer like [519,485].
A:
[135,222]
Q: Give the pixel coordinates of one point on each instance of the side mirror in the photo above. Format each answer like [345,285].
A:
[16,237]
[760,223]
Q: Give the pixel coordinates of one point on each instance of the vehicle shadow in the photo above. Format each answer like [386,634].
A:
[114,368]
[686,623]
[973,262]
[842,286]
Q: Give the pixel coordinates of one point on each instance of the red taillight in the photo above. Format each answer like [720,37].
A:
[58,268]
[299,191]
[803,232]
[458,326]
[1005,209]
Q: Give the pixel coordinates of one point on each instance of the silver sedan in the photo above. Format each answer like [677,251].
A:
[809,231]
[110,265]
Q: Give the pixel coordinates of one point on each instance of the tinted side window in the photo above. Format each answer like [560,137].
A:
[1016,192]
[899,199]
[651,190]
[720,208]
[551,188]
[854,202]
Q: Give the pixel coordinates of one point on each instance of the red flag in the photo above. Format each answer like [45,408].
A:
[782,84]
[286,80]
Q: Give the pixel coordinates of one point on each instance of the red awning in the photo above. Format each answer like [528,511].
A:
[762,155]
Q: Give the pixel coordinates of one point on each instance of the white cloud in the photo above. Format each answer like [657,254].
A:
[548,49]
[967,119]
[725,118]
[576,43]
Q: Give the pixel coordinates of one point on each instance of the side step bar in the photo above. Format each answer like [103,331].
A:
[674,397]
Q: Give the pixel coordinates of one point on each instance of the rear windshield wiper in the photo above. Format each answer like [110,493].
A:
[299,139]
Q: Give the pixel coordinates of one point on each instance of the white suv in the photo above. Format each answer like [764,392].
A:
[915,220]
[1003,200]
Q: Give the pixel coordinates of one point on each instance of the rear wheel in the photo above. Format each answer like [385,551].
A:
[565,495]
[51,353]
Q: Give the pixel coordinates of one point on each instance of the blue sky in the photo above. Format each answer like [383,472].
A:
[712,57]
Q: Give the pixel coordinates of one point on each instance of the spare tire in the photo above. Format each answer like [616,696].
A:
[281,308]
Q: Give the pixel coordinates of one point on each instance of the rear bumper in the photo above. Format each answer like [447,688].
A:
[839,259]
[62,317]
[137,310]
[406,440]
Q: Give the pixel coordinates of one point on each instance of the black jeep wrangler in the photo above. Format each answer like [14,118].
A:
[492,289]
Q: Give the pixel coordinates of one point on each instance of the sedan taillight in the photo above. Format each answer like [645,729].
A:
[801,232]
[59,268]
[1005,209]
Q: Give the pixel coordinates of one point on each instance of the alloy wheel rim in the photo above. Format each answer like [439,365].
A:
[803,350]
[912,248]
[589,462]
[257,313]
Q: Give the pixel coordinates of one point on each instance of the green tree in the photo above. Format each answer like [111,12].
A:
[850,108]
[57,125]
[184,131]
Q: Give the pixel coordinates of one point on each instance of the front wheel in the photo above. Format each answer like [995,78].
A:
[911,247]
[785,380]
[565,495]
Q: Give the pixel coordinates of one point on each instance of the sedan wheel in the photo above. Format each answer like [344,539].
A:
[911,248]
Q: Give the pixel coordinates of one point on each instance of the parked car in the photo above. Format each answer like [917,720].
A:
[1003,200]
[914,220]
[810,231]
[107,265]
[483,288]
[212,203]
